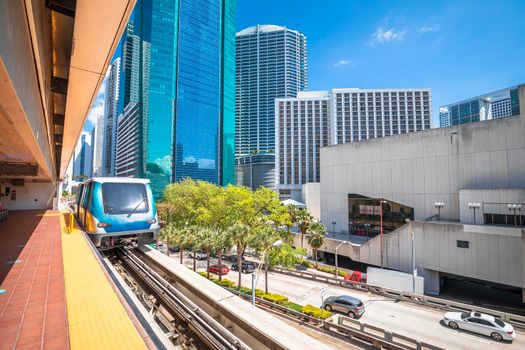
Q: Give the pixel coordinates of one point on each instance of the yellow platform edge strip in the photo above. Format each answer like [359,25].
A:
[96,317]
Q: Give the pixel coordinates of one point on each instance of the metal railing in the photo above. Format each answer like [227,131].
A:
[375,336]
[516,320]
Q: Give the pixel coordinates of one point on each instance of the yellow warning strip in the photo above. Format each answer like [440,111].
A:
[96,317]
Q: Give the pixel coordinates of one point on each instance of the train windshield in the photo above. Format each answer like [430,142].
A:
[124,198]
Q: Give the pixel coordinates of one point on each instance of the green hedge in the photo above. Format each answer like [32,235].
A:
[275,298]
[331,270]
[226,283]
[315,312]
[293,306]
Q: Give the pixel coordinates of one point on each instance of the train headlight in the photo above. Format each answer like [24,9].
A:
[151,221]
[103,224]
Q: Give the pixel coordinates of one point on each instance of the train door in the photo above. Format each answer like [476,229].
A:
[79,200]
[85,201]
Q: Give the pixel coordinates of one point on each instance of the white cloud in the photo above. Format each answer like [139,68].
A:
[97,109]
[344,63]
[429,28]
[384,36]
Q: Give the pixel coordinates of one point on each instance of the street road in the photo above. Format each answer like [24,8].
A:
[418,322]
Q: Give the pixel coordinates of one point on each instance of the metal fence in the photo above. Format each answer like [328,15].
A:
[516,320]
[375,336]
[342,325]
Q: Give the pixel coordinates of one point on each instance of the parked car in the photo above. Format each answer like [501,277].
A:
[199,255]
[246,267]
[174,248]
[345,304]
[219,270]
[480,323]
[233,258]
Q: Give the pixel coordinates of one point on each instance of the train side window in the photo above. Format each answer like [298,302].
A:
[90,195]
[79,194]
[87,192]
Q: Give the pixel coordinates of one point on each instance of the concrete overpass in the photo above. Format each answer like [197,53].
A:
[53,57]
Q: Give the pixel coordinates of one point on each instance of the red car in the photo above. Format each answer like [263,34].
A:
[219,270]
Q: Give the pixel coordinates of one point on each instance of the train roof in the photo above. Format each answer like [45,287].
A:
[118,179]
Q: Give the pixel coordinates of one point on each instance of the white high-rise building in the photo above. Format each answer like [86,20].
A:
[316,119]
[110,118]
[271,63]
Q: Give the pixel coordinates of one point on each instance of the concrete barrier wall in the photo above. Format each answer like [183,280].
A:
[252,325]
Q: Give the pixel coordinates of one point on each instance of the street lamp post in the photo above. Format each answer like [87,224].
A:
[515,208]
[413,256]
[255,275]
[336,249]
[381,229]
[439,205]
[474,207]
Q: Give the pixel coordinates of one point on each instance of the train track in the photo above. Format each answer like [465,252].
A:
[190,326]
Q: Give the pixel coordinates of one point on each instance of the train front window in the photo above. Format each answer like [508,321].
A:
[124,198]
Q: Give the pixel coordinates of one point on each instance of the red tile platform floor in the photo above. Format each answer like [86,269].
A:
[32,295]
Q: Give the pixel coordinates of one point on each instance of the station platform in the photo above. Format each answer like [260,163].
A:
[54,293]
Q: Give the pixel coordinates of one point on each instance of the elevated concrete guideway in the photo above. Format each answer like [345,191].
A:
[53,57]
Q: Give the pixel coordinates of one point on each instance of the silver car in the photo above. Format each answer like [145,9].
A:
[481,324]
[346,304]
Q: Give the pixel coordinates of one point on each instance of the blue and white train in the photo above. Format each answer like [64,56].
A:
[113,210]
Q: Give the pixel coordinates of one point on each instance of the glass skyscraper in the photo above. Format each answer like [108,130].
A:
[185,89]
[497,104]
[271,63]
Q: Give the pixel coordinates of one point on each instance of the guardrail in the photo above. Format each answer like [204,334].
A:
[375,336]
[515,320]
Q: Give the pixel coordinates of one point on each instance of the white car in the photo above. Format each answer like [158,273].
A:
[481,324]
[199,255]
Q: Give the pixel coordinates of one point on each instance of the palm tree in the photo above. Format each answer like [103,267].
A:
[182,239]
[303,220]
[316,237]
[167,233]
[264,236]
[205,240]
[191,241]
[241,236]
[222,243]
[292,212]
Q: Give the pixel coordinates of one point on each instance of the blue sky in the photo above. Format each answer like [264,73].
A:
[459,49]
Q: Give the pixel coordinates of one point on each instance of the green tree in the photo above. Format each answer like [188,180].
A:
[303,220]
[168,234]
[205,241]
[264,236]
[317,233]
[287,256]
[241,236]
[222,244]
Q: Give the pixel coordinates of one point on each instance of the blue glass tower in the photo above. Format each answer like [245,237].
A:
[186,89]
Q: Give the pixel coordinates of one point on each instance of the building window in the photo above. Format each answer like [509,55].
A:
[462,244]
